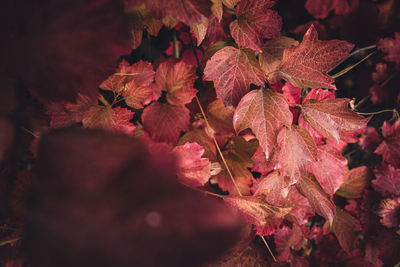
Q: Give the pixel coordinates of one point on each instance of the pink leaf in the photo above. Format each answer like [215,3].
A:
[264,112]
[287,238]
[332,117]
[317,197]
[273,186]
[233,70]
[296,148]
[192,168]
[307,65]
[329,169]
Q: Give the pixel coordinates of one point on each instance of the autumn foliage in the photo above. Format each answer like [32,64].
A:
[225,98]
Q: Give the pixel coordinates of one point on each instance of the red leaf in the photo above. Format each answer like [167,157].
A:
[255,209]
[355,181]
[307,65]
[391,47]
[319,94]
[261,164]
[287,238]
[317,197]
[320,9]
[332,117]
[301,209]
[115,119]
[255,21]
[271,56]
[192,168]
[390,146]
[296,148]
[164,122]
[233,70]
[138,96]
[264,112]
[199,31]
[344,227]
[188,11]
[387,180]
[273,186]
[177,79]
[329,169]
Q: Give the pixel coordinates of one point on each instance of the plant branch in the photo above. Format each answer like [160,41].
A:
[175,44]
[378,112]
[269,249]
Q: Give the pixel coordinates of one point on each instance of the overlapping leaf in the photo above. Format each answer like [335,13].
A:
[255,21]
[332,117]
[233,70]
[287,238]
[307,64]
[192,168]
[271,56]
[355,181]
[344,227]
[296,148]
[319,200]
[273,186]
[330,168]
[264,112]
[177,79]
[164,122]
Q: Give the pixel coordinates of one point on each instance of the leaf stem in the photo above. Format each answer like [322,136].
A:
[6,242]
[269,249]
[218,148]
[378,112]
[344,71]
[30,132]
[104,101]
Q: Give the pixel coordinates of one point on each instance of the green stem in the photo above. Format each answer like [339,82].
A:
[377,112]
[175,44]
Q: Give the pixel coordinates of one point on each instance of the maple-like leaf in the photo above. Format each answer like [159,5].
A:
[140,19]
[177,79]
[296,148]
[273,186]
[332,117]
[317,197]
[264,112]
[233,70]
[105,117]
[344,227]
[188,11]
[255,21]
[391,47]
[307,64]
[370,139]
[330,168]
[192,170]
[286,239]
[390,146]
[164,122]
[389,210]
[256,210]
[387,180]
[271,56]
[320,9]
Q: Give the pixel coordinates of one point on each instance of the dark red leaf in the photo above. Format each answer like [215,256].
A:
[390,146]
[286,239]
[387,180]
[391,47]
[255,21]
